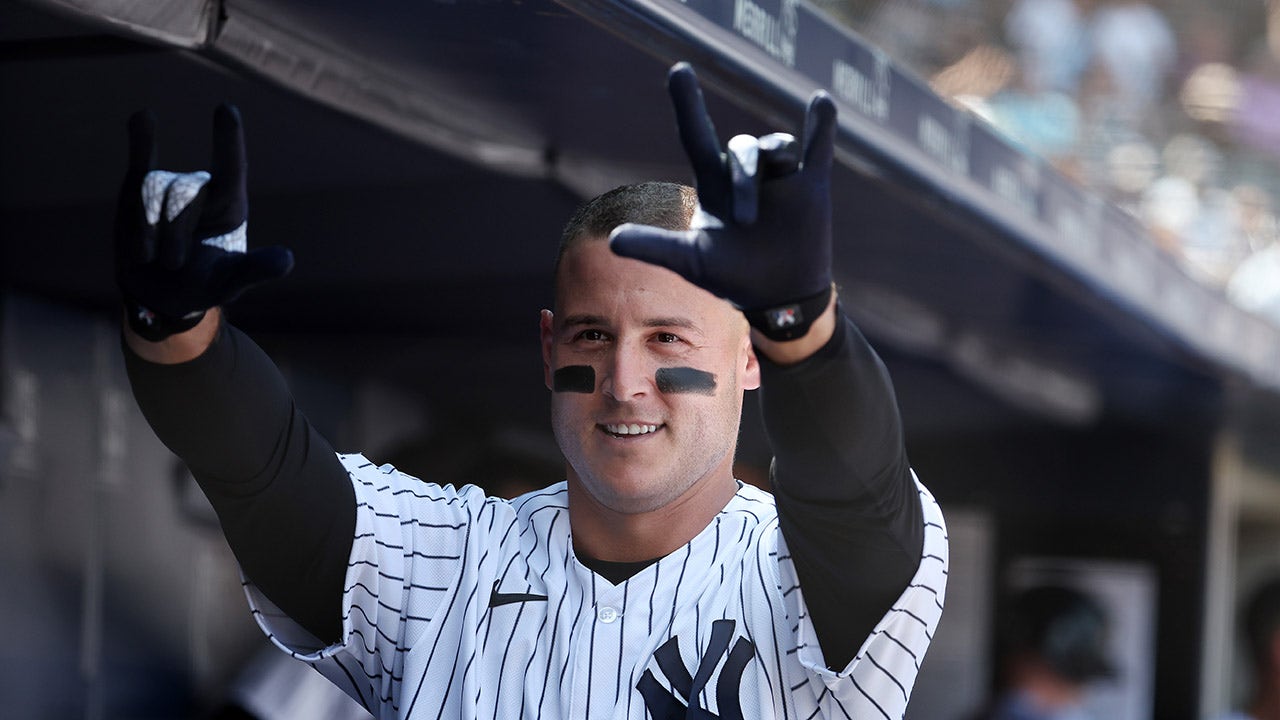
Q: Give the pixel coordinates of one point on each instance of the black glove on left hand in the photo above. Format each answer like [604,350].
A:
[761,237]
[181,238]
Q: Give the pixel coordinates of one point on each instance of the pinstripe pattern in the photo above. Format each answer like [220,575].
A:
[421,640]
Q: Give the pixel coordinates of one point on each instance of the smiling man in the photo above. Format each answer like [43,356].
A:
[650,583]
[648,371]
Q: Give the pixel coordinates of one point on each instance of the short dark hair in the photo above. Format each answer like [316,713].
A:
[661,204]
[1261,621]
[1065,628]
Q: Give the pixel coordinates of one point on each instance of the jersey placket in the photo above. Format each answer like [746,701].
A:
[593,638]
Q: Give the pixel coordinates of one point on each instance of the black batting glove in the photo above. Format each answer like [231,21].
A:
[761,237]
[181,243]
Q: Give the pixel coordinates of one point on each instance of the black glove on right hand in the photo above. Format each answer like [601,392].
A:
[761,237]
[181,238]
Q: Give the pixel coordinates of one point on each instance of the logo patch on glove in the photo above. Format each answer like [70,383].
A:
[785,316]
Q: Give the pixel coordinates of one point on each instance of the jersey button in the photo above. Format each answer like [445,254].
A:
[606,614]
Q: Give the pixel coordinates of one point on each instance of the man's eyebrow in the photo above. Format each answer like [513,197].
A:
[599,320]
[584,319]
[680,322]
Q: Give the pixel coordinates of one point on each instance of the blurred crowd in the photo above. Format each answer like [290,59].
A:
[1165,107]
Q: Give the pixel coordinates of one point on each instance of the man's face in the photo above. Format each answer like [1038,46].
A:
[647,372]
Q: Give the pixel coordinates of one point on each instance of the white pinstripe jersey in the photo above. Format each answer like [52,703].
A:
[462,606]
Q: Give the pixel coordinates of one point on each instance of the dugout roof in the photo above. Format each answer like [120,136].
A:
[420,157]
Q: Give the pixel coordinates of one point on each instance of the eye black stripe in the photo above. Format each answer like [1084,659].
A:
[685,380]
[574,378]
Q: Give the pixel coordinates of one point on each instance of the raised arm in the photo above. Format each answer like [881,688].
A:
[211,395]
[761,238]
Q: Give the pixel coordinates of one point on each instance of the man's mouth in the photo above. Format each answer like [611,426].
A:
[630,429]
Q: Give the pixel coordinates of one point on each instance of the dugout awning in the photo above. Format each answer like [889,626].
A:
[458,135]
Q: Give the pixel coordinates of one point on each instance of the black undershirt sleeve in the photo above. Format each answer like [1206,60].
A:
[847,504]
[284,500]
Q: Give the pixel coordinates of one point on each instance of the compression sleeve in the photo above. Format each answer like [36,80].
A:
[284,500]
[847,503]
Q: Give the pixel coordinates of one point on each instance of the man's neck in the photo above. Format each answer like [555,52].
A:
[605,534]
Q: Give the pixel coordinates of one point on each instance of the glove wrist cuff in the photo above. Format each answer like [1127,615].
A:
[153,327]
[791,320]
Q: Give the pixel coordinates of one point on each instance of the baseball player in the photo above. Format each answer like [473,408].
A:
[650,583]
[1054,647]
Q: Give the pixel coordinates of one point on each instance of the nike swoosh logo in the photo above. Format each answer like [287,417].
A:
[496,598]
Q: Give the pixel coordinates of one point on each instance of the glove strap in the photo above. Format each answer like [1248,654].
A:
[790,321]
[153,327]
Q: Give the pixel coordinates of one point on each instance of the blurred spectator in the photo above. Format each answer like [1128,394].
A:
[1191,215]
[1131,167]
[1108,141]
[1254,123]
[1257,216]
[1045,122]
[1054,643]
[1051,44]
[1255,283]
[1037,110]
[1260,628]
[1135,45]
[979,74]
[1211,96]
[926,35]
[1204,38]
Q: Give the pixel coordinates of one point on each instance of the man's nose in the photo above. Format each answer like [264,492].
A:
[627,374]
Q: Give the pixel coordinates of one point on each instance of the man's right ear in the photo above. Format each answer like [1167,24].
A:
[546,331]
